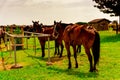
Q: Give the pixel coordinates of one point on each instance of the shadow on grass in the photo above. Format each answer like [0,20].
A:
[69,72]
[113,38]
[52,59]
[75,72]
[58,70]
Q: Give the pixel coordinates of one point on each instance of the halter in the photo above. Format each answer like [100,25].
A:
[55,32]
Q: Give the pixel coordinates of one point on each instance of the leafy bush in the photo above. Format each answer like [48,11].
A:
[18,40]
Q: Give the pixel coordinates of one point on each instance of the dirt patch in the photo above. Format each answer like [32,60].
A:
[3,66]
[10,66]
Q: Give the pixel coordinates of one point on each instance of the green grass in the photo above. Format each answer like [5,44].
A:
[35,68]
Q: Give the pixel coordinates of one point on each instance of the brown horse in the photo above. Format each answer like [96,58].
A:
[82,35]
[28,29]
[40,28]
[2,35]
[59,28]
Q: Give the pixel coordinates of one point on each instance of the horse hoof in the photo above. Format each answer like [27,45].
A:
[43,55]
[76,67]
[95,70]
[55,53]
[60,56]
[69,67]
[91,70]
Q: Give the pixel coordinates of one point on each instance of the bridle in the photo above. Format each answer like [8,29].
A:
[55,32]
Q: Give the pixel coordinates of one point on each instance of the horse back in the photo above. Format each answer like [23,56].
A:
[78,34]
[47,30]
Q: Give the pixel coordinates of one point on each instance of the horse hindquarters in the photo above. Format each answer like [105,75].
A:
[87,50]
[75,56]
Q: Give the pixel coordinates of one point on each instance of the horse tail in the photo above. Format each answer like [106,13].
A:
[96,48]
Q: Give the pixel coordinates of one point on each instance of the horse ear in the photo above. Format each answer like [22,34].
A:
[60,21]
[41,25]
[32,21]
[54,22]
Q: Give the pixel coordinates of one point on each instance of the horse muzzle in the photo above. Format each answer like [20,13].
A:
[55,35]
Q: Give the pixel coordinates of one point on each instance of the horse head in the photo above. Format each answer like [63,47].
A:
[57,27]
[36,26]
[35,23]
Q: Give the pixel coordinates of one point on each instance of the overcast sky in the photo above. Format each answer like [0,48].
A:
[46,11]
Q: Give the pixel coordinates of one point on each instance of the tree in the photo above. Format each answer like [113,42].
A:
[111,7]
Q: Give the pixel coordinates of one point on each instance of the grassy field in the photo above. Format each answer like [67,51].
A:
[35,68]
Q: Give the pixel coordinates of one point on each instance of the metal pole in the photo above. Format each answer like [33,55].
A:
[48,50]
[35,45]
[10,48]
[15,52]
[15,66]
[27,43]
[6,41]
[49,62]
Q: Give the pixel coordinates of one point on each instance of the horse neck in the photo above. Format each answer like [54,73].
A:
[64,25]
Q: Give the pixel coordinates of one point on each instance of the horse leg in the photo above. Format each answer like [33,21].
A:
[61,50]
[43,52]
[87,50]
[58,49]
[43,48]
[95,69]
[55,48]
[68,55]
[4,41]
[75,56]
[79,49]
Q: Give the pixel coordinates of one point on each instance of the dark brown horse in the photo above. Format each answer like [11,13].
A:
[40,28]
[2,35]
[59,28]
[28,29]
[81,35]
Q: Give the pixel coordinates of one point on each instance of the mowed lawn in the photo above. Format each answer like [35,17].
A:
[35,68]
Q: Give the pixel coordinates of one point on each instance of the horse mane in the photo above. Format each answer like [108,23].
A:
[64,25]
